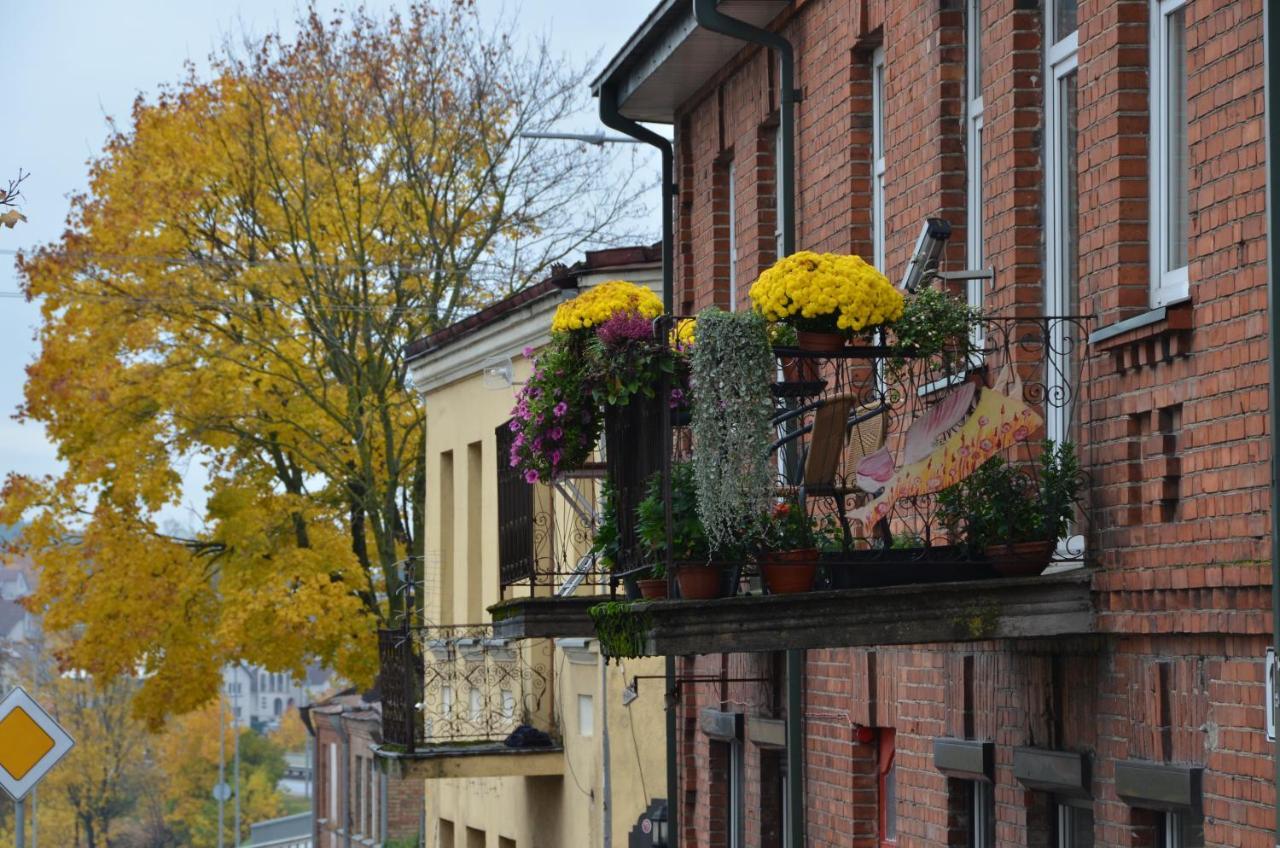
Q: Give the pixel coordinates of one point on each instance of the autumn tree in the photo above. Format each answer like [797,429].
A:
[237,287]
[9,197]
[188,753]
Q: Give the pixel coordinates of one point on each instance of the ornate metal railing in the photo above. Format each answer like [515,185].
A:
[459,684]
[546,532]
[1019,382]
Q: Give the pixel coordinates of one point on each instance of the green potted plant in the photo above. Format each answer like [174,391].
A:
[789,548]
[732,371]
[698,574]
[1015,516]
[938,325]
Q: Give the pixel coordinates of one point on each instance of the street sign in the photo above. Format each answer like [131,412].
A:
[31,743]
[221,791]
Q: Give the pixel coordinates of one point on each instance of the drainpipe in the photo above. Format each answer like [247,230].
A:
[1271,42]
[711,18]
[612,118]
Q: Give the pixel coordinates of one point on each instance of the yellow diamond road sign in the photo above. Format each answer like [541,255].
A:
[31,742]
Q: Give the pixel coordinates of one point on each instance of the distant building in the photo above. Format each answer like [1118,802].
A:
[354,802]
[260,698]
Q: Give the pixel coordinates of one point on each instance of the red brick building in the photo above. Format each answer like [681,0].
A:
[1105,158]
[354,802]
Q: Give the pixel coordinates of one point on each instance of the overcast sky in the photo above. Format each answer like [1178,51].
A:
[69,64]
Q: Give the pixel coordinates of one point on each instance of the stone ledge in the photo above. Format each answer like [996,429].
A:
[545,617]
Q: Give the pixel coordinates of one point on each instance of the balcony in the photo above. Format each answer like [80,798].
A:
[461,702]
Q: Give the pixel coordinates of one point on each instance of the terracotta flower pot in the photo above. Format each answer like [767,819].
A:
[699,581]
[653,587]
[789,572]
[804,369]
[1021,559]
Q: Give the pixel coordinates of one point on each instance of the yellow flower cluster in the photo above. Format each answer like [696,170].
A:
[685,331]
[598,304]
[810,286]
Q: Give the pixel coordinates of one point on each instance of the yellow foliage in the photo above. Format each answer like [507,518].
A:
[806,286]
[238,286]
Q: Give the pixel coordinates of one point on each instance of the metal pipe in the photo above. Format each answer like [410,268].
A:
[711,18]
[613,119]
[19,832]
[1270,40]
[673,764]
[606,791]
[222,764]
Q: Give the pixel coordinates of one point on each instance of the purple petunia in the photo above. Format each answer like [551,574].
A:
[560,409]
[555,434]
[531,476]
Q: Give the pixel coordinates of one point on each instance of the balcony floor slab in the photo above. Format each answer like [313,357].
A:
[1013,608]
[545,617]
[482,759]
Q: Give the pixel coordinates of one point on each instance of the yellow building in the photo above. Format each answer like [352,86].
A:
[600,765]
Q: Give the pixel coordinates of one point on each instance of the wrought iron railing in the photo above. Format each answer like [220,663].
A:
[459,684]
[546,530]
[1022,377]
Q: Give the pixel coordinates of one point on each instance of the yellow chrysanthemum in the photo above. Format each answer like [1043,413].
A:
[596,305]
[809,285]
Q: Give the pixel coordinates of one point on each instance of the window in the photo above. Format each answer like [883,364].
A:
[586,716]
[982,815]
[1169,156]
[737,795]
[359,786]
[1180,830]
[974,251]
[475,838]
[332,777]
[375,801]
[887,784]
[1062,288]
[731,176]
[777,191]
[1075,826]
[877,159]
[446,834]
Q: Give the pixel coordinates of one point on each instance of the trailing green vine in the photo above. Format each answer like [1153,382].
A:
[622,628]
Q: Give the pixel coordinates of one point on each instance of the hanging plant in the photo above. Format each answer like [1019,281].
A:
[733,368]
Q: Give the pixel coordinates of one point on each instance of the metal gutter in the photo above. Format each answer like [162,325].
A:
[612,118]
[709,17]
[1271,69]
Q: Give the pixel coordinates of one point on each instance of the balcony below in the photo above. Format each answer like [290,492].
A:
[460,701]
[1056,605]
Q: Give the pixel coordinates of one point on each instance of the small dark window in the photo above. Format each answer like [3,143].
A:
[888,787]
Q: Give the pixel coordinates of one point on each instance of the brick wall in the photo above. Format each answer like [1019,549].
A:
[1173,431]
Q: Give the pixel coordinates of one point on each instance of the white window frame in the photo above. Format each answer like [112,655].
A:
[1060,63]
[586,716]
[975,252]
[877,159]
[732,176]
[737,795]
[1167,285]
[984,827]
[777,191]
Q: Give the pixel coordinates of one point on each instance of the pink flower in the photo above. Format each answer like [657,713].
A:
[555,434]
[555,457]
[528,352]
[531,476]
[560,409]
[518,440]
[1021,434]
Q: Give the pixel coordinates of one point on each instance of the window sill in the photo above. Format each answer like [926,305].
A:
[1150,338]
